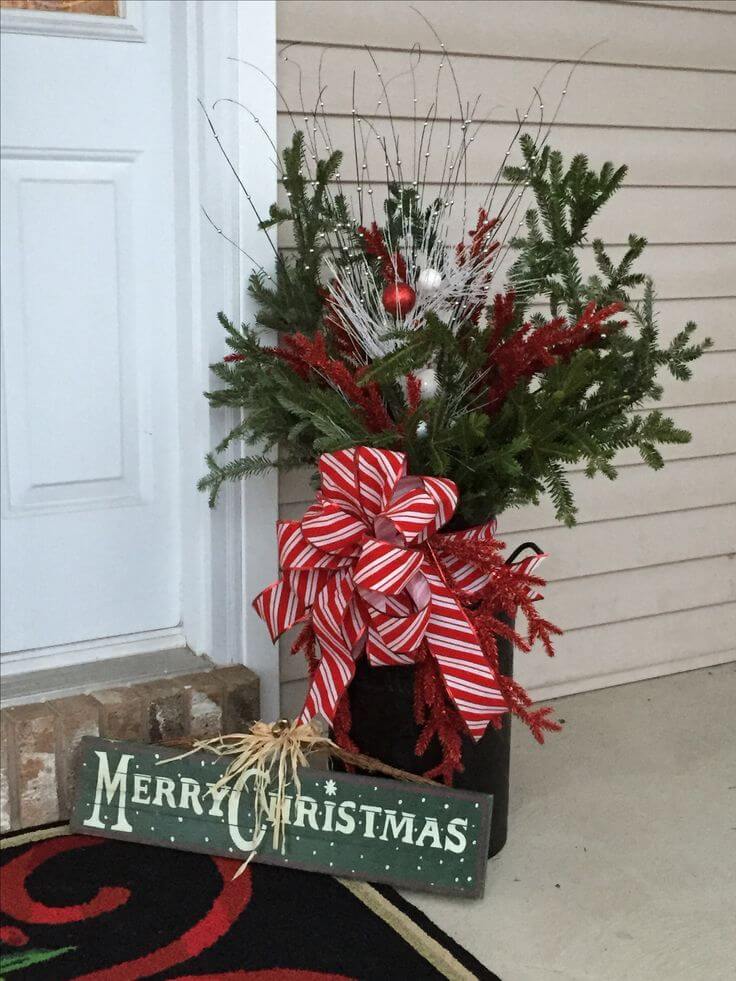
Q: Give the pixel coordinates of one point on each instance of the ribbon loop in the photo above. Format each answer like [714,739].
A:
[360,567]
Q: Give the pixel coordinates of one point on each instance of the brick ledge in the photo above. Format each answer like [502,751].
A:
[38,742]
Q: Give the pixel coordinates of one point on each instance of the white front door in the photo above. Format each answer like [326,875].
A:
[90,460]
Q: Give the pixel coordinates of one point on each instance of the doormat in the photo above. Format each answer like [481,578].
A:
[93,908]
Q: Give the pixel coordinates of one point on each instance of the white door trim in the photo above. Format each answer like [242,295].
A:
[128,25]
[229,553]
[89,651]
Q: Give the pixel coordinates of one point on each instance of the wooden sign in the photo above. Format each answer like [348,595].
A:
[414,835]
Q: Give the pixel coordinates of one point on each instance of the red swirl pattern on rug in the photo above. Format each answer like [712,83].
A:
[74,908]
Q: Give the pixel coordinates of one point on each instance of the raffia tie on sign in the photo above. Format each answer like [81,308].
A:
[272,754]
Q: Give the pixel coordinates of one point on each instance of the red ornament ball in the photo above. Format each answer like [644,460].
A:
[398,299]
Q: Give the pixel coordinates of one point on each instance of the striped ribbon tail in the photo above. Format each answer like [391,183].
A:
[337,664]
[465,670]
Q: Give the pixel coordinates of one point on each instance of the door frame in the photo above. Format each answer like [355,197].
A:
[229,553]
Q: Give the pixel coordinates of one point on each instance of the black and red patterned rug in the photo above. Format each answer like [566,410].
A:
[91,908]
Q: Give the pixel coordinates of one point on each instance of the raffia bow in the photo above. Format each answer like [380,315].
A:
[365,565]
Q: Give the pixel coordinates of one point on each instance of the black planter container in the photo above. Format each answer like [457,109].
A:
[382,707]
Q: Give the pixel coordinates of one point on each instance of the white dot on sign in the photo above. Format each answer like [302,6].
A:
[477,805]
[457,879]
[206,838]
[401,802]
[297,838]
[155,756]
[314,851]
[332,844]
[181,819]
[475,842]
[152,828]
[388,867]
[462,859]
[470,878]
[424,800]
[173,838]
[330,864]
[442,861]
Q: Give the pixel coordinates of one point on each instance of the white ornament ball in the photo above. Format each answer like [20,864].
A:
[427,378]
[421,429]
[429,280]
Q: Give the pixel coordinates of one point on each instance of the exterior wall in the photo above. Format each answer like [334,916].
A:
[645,585]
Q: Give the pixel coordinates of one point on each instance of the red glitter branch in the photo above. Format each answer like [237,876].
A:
[308,358]
[438,719]
[307,642]
[413,391]
[481,240]
[481,247]
[393,265]
[530,350]
[337,327]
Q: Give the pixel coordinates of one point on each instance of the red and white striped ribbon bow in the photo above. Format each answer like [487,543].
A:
[359,567]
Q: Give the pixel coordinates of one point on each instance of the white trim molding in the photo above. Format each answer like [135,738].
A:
[127,25]
[67,655]
[230,552]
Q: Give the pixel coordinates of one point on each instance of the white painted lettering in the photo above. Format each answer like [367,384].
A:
[370,812]
[164,788]
[430,830]
[189,798]
[455,838]
[402,828]
[141,789]
[110,785]
[345,822]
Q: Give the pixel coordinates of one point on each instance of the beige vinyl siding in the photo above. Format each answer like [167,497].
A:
[646,583]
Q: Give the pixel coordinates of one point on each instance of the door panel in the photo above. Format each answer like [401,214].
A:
[90,507]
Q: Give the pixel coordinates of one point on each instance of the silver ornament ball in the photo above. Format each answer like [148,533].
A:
[429,280]
[427,378]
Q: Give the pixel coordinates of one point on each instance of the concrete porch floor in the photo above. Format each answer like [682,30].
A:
[621,859]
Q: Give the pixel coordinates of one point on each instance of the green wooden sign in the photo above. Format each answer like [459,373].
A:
[414,835]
